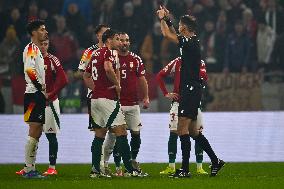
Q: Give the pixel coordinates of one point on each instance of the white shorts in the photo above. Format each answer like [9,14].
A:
[132,117]
[52,122]
[106,113]
[174,118]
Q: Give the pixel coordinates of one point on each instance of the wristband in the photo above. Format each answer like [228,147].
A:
[168,21]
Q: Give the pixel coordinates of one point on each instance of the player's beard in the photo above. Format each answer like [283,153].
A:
[124,48]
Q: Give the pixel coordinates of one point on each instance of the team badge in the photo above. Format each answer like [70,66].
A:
[131,64]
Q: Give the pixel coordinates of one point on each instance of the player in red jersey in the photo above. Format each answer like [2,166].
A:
[55,79]
[173,69]
[101,76]
[99,30]
[132,76]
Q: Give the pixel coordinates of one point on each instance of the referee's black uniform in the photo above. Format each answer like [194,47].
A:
[190,83]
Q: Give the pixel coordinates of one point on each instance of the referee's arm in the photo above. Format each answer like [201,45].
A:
[169,32]
[167,28]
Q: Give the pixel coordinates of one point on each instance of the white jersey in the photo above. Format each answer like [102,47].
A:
[33,68]
[86,57]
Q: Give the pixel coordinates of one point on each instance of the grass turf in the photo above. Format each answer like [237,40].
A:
[233,175]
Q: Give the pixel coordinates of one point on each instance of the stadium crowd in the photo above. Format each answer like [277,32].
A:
[236,36]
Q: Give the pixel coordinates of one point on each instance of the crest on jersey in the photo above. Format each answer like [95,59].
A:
[131,64]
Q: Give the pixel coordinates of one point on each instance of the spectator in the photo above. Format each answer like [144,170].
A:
[53,7]
[220,41]
[142,10]
[32,11]
[250,23]
[16,20]
[84,6]
[75,22]
[9,53]
[237,50]
[234,14]
[209,11]
[106,12]
[64,43]
[49,20]
[250,26]
[153,49]
[207,41]
[177,7]
[265,42]
[131,25]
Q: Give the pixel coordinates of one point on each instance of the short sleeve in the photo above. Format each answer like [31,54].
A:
[108,56]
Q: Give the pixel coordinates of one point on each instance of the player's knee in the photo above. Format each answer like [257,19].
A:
[35,130]
[120,131]
[101,133]
[182,130]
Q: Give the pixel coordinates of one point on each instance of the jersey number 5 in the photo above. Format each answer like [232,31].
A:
[123,74]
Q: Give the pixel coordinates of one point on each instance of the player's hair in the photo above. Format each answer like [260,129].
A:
[190,22]
[34,25]
[122,33]
[99,27]
[108,34]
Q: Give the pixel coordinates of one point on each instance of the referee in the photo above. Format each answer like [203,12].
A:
[190,89]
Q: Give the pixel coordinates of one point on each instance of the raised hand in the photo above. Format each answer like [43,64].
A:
[161,13]
[167,12]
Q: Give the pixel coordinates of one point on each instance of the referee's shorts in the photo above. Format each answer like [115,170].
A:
[189,102]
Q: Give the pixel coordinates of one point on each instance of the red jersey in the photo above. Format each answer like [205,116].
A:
[55,77]
[131,68]
[96,68]
[174,68]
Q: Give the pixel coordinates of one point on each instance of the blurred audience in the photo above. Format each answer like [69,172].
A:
[235,35]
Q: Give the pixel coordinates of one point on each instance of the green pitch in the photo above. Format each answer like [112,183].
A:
[234,175]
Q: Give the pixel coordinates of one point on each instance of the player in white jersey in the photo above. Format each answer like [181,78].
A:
[35,94]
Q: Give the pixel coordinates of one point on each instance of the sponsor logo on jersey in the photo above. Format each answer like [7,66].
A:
[50,129]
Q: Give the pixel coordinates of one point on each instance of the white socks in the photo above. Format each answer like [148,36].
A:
[108,146]
[30,154]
